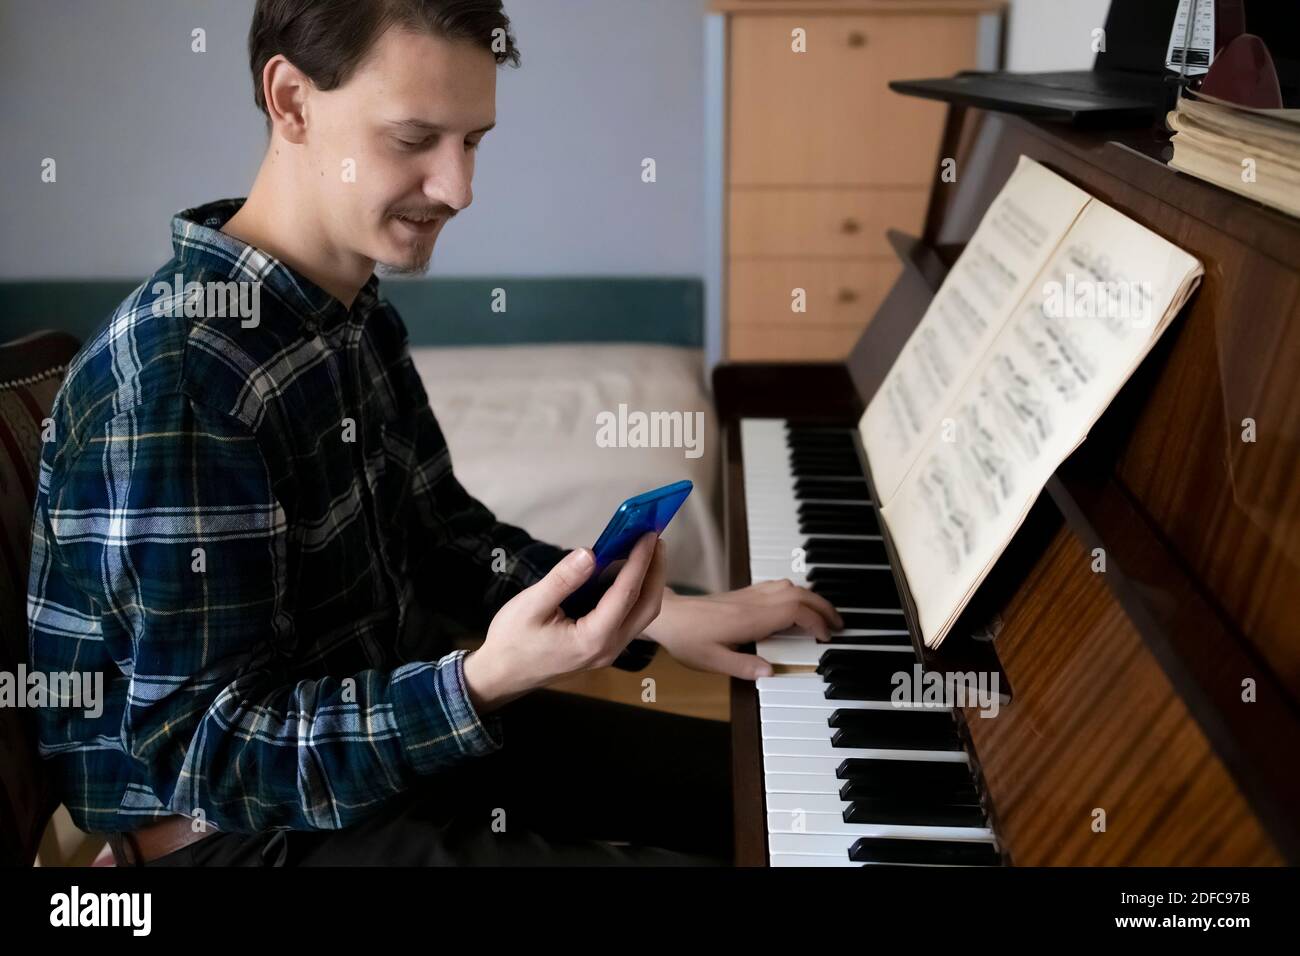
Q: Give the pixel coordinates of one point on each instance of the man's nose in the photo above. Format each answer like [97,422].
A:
[450,179]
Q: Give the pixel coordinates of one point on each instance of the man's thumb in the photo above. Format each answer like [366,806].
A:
[569,574]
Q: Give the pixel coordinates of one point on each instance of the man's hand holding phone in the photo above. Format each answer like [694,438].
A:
[532,643]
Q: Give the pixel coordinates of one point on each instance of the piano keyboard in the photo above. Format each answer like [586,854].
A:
[850,778]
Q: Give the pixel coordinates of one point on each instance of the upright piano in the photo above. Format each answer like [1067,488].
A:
[1151,710]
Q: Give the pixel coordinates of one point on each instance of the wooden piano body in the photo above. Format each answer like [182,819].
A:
[1164,691]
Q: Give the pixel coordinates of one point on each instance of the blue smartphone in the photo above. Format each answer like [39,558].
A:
[650,511]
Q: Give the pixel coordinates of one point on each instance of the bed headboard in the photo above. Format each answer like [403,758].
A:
[437,311]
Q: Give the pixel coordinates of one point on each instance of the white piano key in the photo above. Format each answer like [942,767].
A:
[780,802]
[816,698]
[832,824]
[796,730]
[772,700]
[821,766]
[807,650]
[812,859]
[792,682]
[781,549]
[806,715]
[796,715]
[794,747]
[777,568]
[809,843]
[802,783]
[849,632]
[772,536]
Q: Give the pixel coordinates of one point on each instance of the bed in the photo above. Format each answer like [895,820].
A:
[522,423]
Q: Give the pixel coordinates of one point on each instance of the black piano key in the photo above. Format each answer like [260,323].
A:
[919,815]
[864,663]
[821,550]
[840,468]
[880,777]
[864,588]
[863,577]
[862,522]
[875,620]
[839,490]
[822,449]
[799,434]
[881,689]
[934,852]
[902,789]
[895,730]
[853,669]
[848,510]
[834,448]
[816,525]
[850,674]
[878,640]
[889,739]
[845,595]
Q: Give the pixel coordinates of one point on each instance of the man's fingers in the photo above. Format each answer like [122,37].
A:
[569,574]
[790,613]
[647,606]
[775,592]
[723,660]
[812,622]
[822,606]
[622,595]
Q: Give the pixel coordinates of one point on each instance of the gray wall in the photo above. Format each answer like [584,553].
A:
[140,127]
[1047,35]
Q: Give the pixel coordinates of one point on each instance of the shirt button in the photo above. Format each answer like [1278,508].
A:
[310,326]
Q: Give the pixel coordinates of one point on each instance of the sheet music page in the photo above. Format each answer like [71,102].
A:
[1085,324]
[1021,228]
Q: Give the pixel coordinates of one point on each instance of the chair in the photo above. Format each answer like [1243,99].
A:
[31,370]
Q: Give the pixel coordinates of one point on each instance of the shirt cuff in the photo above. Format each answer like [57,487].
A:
[435,717]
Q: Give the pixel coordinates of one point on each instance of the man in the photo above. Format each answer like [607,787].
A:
[238,511]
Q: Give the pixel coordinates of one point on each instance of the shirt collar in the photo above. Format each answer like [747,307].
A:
[197,240]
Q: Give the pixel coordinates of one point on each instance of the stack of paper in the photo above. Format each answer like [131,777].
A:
[1252,152]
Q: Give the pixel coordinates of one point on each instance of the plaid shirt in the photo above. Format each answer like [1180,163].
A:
[231,524]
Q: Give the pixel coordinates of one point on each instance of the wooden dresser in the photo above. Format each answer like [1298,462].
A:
[822,158]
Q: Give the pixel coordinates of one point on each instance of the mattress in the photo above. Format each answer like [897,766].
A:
[553,437]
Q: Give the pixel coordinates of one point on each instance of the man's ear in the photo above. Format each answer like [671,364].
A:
[284,88]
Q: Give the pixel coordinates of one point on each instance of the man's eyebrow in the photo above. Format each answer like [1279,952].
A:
[420,126]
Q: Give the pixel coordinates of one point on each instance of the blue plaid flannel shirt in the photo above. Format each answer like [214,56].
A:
[231,525]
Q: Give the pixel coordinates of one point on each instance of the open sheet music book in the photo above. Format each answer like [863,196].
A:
[1049,309]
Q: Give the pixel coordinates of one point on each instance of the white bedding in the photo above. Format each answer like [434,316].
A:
[521,423]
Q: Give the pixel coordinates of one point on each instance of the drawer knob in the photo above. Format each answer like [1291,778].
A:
[850,226]
[857,38]
[846,296]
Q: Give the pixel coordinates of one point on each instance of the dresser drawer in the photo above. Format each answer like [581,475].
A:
[826,116]
[783,343]
[844,293]
[821,222]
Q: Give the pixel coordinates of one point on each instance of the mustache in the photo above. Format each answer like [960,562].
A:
[427,212]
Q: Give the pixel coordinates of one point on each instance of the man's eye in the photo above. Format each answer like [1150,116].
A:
[409,144]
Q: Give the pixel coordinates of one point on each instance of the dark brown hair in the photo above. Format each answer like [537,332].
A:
[326,39]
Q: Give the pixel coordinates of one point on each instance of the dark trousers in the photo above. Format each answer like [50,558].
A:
[575,774]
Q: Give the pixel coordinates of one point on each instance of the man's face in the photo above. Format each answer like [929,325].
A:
[410,116]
